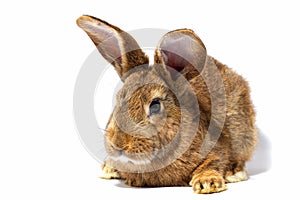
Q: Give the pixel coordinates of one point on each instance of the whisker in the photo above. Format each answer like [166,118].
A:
[105,130]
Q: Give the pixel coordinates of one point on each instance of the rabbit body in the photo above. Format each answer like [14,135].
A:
[149,137]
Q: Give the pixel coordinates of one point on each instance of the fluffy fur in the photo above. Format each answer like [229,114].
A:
[136,141]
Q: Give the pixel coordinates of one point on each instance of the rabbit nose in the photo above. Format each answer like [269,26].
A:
[118,142]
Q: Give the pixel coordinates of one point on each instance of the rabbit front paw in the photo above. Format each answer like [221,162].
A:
[208,182]
[109,173]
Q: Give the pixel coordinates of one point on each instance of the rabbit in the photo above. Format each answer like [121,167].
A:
[164,128]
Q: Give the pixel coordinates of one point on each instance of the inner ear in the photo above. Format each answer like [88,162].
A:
[180,50]
[173,60]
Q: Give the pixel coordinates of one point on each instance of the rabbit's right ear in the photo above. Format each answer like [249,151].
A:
[116,46]
[181,50]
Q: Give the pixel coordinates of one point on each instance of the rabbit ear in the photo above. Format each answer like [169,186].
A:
[181,50]
[116,46]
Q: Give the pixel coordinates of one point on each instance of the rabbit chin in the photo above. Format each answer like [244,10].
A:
[124,159]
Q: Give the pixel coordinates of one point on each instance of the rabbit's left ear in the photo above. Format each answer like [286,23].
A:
[180,50]
[118,47]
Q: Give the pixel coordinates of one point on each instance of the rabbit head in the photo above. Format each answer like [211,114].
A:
[157,113]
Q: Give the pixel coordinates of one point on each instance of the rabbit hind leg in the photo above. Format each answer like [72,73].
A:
[237,172]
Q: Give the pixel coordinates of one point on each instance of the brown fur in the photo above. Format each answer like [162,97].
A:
[206,172]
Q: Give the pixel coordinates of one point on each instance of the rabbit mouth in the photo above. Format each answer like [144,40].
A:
[125,159]
[137,159]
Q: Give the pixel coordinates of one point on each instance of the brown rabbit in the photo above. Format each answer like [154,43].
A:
[185,120]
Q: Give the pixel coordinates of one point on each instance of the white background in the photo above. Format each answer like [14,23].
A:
[42,50]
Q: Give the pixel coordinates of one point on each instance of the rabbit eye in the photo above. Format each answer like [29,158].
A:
[154,107]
